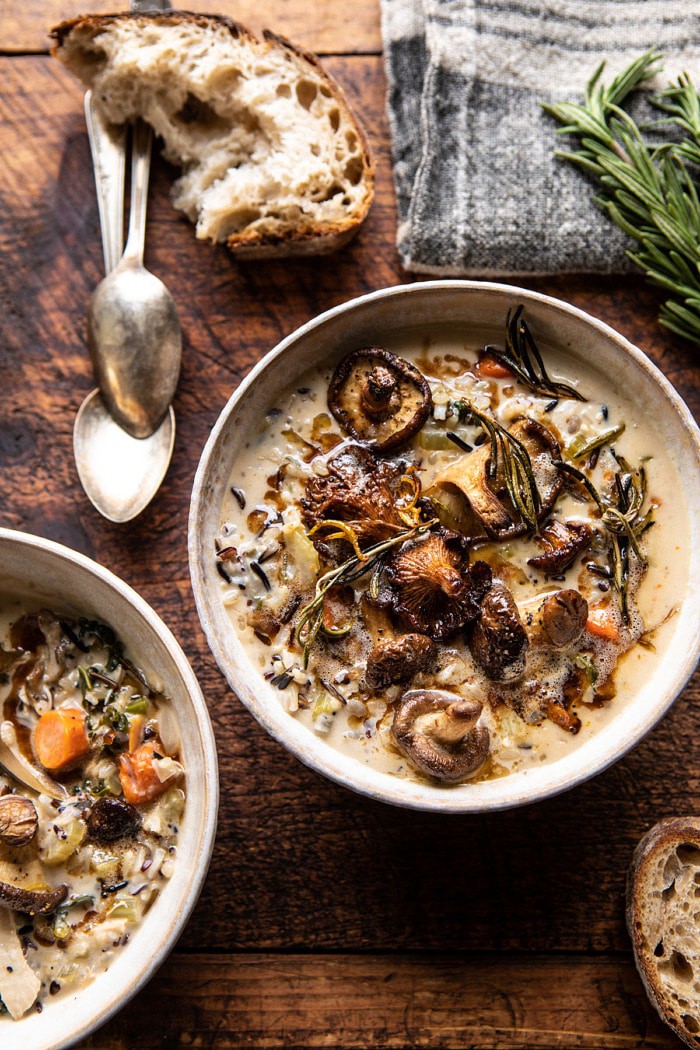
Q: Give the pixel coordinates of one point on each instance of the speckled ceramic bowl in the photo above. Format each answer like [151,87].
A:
[71,583]
[372,320]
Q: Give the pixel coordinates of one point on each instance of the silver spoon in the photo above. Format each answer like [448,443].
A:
[120,473]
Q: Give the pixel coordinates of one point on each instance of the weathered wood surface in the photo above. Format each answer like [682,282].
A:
[323,26]
[299,863]
[395,1002]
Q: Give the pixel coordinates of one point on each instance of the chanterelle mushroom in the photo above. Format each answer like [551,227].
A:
[379,398]
[563,541]
[488,499]
[499,640]
[438,732]
[399,660]
[432,585]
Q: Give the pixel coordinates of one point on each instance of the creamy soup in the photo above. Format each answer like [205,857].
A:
[452,563]
[91,797]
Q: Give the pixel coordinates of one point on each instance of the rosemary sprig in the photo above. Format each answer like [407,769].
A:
[579,448]
[522,356]
[510,457]
[621,512]
[648,192]
[311,616]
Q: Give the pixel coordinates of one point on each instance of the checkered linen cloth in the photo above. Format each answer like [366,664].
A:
[479,191]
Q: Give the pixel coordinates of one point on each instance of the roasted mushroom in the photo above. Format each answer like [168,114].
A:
[379,398]
[563,542]
[558,621]
[18,820]
[492,509]
[111,819]
[399,660]
[359,491]
[33,902]
[437,731]
[499,640]
[432,586]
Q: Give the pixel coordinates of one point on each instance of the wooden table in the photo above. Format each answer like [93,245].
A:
[327,920]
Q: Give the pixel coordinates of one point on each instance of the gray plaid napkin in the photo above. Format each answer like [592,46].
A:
[478,189]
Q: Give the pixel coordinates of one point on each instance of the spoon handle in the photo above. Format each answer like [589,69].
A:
[108,149]
[141,141]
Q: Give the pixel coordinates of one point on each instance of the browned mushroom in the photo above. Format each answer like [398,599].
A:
[432,586]
[33,902]
[111,819]
[559,620]
[491,508]
[563,542]
[264,624]
[438,732]
[379,398]
[18,820]
[357,490]
[399,660]
[499,640]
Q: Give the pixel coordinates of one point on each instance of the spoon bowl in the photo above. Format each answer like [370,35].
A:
[120,473]
[135,345]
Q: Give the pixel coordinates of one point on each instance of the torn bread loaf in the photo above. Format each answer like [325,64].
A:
[274,161]
[663,919]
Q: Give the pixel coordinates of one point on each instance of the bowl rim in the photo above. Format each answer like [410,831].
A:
[142,973]
[314,757]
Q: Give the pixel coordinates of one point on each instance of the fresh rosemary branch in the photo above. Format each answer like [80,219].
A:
[621,512]
[649,192]
[522,356]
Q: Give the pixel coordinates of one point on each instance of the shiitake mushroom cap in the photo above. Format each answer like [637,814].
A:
[379,398]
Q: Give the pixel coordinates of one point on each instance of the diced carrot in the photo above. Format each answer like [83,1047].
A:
[601,623]
[60,738]
[490,367]
[137,775]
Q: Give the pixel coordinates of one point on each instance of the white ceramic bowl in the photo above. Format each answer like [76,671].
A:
[370,320]
[71,583]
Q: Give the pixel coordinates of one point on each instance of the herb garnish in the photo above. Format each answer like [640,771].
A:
[621,514]
[522,357]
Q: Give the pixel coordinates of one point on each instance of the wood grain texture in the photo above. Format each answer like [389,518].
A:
[300,864]
[325,26]
[399,1002]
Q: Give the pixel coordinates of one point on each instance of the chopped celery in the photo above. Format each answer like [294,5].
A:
[138,706]
[302,563]
[124,908]
[62,845]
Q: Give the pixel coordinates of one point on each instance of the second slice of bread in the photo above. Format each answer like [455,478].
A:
[663,919]
[274,162]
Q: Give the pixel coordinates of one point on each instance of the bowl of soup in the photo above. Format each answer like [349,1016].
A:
[443,545]
[108,792]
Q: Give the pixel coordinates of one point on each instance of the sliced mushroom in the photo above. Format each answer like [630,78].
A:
[438,732]
[499,640]
[564,541]
[493,512]
[33,902]
[433,587]
[264,623]
[399,660]
[18,820]
[12,759]
[111,819]
[379,398]
[559,621]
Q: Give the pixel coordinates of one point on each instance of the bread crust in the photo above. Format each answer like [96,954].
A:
[659,842]
[306,239]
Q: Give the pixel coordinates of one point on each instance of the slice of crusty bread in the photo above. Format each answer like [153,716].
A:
[663,919]
[274,161]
